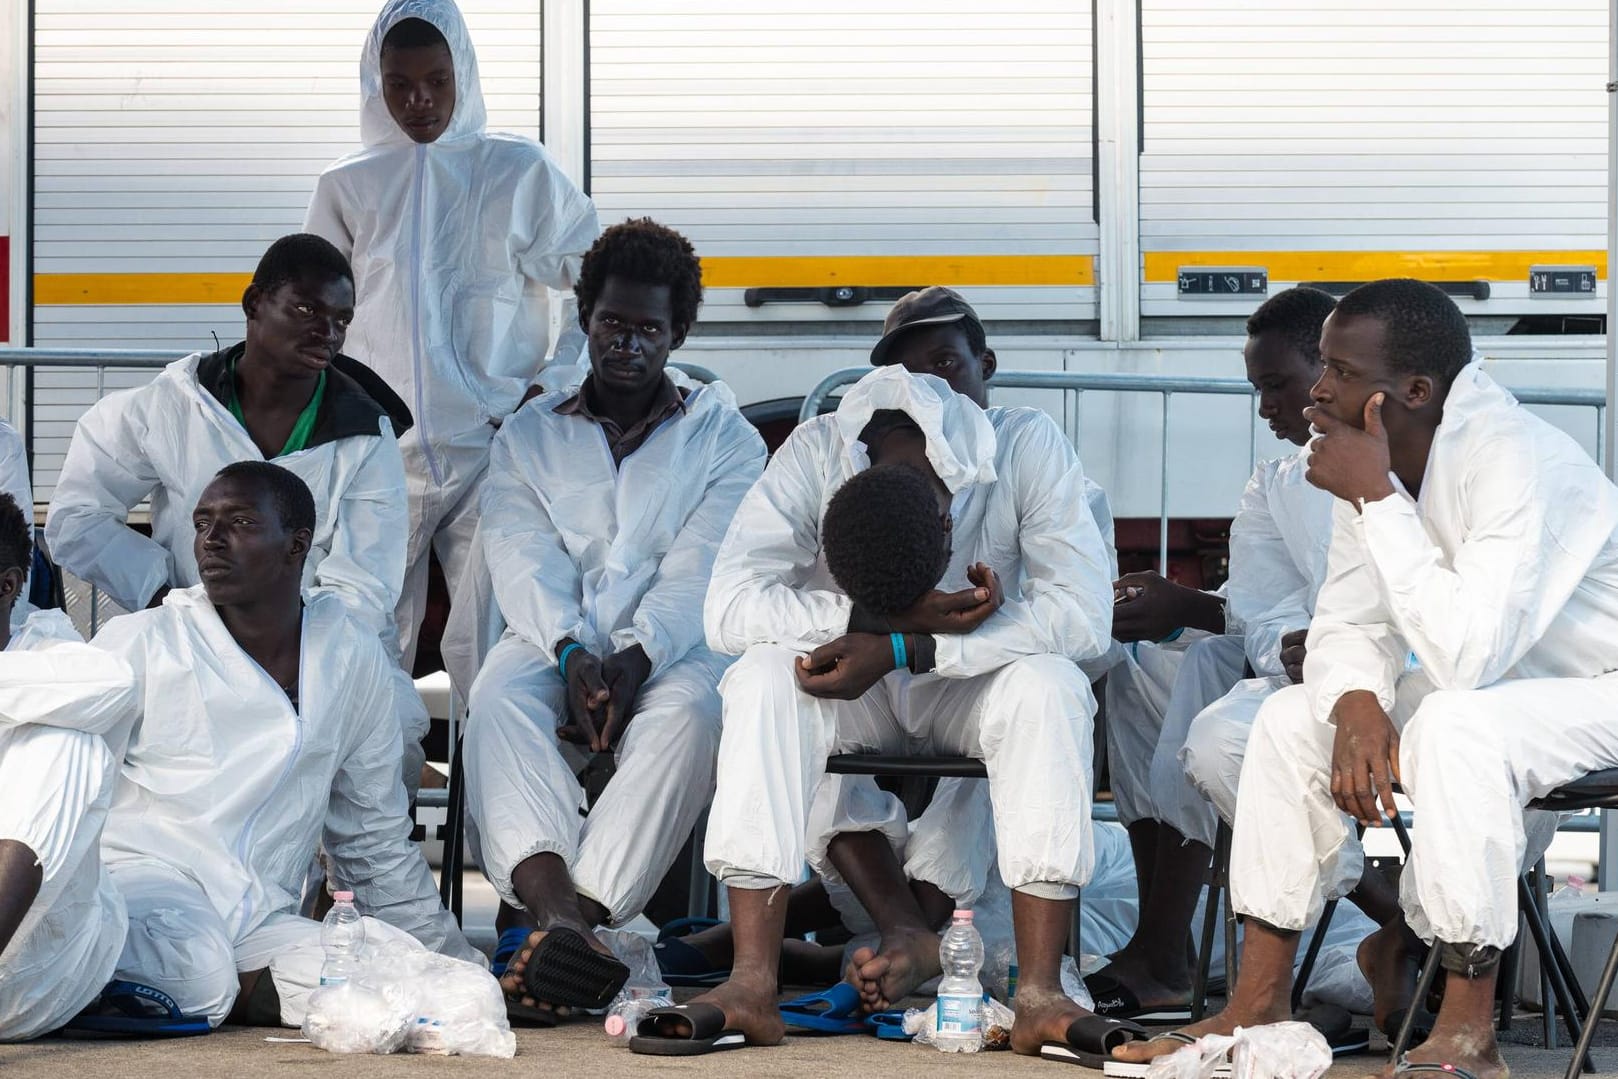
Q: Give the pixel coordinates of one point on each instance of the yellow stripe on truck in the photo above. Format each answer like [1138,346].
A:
[820,271]
[1164,266]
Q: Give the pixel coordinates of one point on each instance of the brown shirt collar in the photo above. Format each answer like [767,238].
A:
[623,442]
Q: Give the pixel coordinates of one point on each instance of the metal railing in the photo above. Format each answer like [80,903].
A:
[1074,384]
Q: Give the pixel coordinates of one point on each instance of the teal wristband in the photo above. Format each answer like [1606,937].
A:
[900,659]
[1173,636]
[561,661]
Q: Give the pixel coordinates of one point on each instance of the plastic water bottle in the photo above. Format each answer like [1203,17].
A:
[959,1026]
[341,935]
[627,1012]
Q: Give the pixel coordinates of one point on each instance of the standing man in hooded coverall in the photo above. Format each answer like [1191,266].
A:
[457,237]
[1475,537]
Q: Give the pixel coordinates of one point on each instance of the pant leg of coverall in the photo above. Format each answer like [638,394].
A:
[176,940]
[55,786]
[1470,760]
[1138,691]
[664,780]
[289,947]
[1032,724]
[1215,746]
[1211,666]
[443,498]
[521,795]
[1291,846]
[772,756]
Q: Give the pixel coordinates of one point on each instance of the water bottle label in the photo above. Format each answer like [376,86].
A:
[959,1014]
[331,981]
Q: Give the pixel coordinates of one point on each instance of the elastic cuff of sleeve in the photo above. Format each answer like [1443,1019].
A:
[1468,960]
[750,882]
[1053,890]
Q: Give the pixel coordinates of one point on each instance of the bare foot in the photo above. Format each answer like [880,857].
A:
[1475,1050]
[749,1006]
[907,959]
[1225,1022]
[511,982]
[1042,1016]
[1388,964]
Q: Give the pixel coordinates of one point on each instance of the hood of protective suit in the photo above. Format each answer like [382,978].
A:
[960,439]
[1473,393]
[377,126]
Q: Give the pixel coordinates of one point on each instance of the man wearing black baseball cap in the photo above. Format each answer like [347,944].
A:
[934,331]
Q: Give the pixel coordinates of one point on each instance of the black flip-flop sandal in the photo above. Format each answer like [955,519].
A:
[1336,1025]
[1128,1069]
[1115,1000]
[1420,1030]
[1454,1071]
[655,1034]
[519,1014]
[563,969]
[1090,1040]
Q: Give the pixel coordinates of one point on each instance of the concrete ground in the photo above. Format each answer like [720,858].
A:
[580,1051]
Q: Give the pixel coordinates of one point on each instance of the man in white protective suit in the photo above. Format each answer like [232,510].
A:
[61,923]
[991,671]
[601,515]
[1278,543]
[457,237]
[1478,539]
[285,393]
[257,737]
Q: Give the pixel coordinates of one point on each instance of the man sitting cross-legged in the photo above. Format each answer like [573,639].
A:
[267,720]
[1482,541]
[601,515]
[990,670]
[61,923]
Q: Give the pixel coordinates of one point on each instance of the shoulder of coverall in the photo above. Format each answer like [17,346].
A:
[377,126]
[356,397]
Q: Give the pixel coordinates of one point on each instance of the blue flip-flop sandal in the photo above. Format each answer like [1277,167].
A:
[889,1026]
[137,1011]
[830,1011]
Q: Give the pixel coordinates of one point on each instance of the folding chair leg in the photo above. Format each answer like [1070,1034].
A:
[1312,955]
[1587,1036]
[1210,911]
[1541,933]
[450,882]
[699,890]
[1424,985]
[1510,971]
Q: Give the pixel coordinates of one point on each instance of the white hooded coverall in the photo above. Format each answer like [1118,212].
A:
[168,439]
[455,245]
[611,556]
[226,788]
[1502,580]
[1009,693]
[60,700]
[1278,544]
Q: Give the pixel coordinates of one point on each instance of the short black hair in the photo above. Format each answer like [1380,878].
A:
[293,502]
[643,250]
[301,255]
[884,538]
[1297,314]
[16,536]
[1424,333]
[412,34]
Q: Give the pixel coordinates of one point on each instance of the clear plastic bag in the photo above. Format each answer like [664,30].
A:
[1199,1060]
[634,951]
[405,997]
[1280,1051]
[997,1020]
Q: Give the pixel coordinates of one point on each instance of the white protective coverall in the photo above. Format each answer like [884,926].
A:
[226,789]
[611,556]
[167,440]
[455,246]
[59,701]
[1278,545]
[1502,581]
[1010,693]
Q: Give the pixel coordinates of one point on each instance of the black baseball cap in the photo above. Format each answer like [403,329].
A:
[931,306]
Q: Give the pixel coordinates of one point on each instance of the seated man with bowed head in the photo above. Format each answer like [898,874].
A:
[601,515]
[256,738]
[989,669]
[1478,539]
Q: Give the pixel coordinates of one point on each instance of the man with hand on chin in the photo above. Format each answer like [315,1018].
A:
[1461,646]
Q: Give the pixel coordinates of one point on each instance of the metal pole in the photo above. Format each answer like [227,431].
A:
[1607,867]
[1163,492]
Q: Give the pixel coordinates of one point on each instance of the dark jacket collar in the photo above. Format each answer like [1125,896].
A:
[356,397]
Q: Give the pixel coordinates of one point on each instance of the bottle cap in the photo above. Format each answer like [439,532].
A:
[963,916]
[343,897]
[616,1026]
